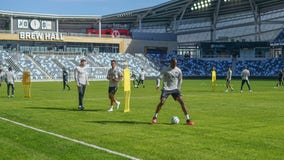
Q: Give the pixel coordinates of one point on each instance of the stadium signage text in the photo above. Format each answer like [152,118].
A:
[47,36]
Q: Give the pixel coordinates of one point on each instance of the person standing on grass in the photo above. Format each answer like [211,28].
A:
[228,80]
[213,75]
[65,79]
[10,79]
[114,76]
[245,78]
[135,80]
[81,79]
[142,78]
[280,78]
[2,75]
[172,80]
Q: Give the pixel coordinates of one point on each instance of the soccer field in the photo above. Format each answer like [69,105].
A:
[230,125]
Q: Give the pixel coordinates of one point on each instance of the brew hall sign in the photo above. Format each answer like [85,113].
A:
[38,30]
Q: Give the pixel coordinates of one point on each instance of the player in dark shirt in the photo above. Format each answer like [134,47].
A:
[65,79]
[280,78]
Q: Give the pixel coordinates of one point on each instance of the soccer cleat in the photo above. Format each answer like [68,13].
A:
[110,110]
[226,90]
[241,91]
[189,123]
[154,120]
[117,105]
[81,108]
[250,90]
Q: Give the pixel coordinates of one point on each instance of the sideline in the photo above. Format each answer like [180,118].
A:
[72,140]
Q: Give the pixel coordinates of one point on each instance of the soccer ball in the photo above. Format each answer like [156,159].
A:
[174,120]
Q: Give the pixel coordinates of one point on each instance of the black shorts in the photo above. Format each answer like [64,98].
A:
[112,90]
[175,93]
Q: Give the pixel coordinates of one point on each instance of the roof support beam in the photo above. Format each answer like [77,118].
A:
[11,24]
[214,21]
[57,25]
[100,28]
[141,17]
[257,20]
[175,24]
[183,9]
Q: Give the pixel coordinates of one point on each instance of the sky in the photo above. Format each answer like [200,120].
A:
[76,7]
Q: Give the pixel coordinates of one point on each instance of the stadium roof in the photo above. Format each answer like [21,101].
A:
[50,16]
[65,21]
[188,9]
[166,12]
[82,19]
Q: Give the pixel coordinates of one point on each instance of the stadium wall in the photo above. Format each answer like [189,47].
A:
[138,46]
[62,38]
[126,45]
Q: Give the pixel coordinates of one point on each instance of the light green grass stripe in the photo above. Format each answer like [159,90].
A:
[71,139]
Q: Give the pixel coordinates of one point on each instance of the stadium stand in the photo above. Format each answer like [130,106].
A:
[44,67]
[49,65]
[154,35]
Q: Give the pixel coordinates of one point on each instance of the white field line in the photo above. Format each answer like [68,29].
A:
[72,140]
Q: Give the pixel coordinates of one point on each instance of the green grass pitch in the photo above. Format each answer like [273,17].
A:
[232,125]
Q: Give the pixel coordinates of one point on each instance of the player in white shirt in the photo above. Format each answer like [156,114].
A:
[114,76]
[245,78]
[10,79]
[172,80]
[142,78]
[228,80]
[81,79]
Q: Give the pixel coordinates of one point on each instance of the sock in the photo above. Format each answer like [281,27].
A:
[155,115]
[116,101]
[187,117]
